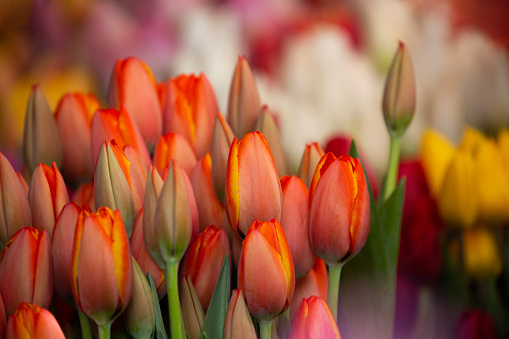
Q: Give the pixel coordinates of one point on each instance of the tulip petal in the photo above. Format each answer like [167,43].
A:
[232,187]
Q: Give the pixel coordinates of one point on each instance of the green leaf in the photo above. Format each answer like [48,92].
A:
[213,323]
[159,331]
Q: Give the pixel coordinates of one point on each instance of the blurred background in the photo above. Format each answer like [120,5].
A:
[320,65]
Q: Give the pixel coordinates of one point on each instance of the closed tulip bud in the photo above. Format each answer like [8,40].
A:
[138,177]
[132,86]
[112,183]
[458,201]
[436,155]
[115,124]
[253,190]
[314,320]
[23,182]
[14,207]
[32,321]
[267,125]
[311,157]
[192,310]
[222,138]
[47,195]
[174,224]
[73,117]
[238,323]
[85,195]
[143,258]
[339,215]
[210,209]
[139,316]
[204,260]
[316,282]
[173,146]
[102,276]
[41,143]
[243,100]
[190,109]
[265,253]
[399,94]
[295,223]
[26,272]
[475,324]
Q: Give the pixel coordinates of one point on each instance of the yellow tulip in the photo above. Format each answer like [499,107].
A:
[472,140]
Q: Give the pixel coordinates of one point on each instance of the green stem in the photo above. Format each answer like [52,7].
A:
[265,329]
[86,329]
[333,290]
[392,170]
[176,321]
[104,331]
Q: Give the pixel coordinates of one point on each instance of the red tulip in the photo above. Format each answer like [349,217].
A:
[133,87]
[253,190]
[190,109]
[102,276]
[311,157]
[204,260]
[295,223]
[316,282]
[265,253]
[174,146]
[339,216]
[314,320]
[47,195]
[475,324]
[31,321]
[3,318]
[26,272]
[238,323]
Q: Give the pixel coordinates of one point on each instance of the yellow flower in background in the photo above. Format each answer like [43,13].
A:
[436,155]
[457,200]
[503,144]
[472,140]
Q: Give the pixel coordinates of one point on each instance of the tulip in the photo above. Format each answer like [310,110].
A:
[311,157]
[23,182]
[85,195]
[102,276]
[41,143]
[475,324]
[243,100]
[314,283]
[314,320]
[115,124]
[267,125]
[26,272]
[47,195]
[139,316]
[73,116]
[204,260]
[3,318]
[399,94]
[32,321]
[174,146]
[190,109]
[222,138]
[133,87]
[112,183]
[138,177]
[210,209]
[416,185]
[14,207]
[458,201]
[295,223]
[192,310]
[253,190]
[265,253]
[238,323]
[143,258]
[436,155]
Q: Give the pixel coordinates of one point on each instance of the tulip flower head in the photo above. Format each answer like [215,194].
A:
[222,138]
[314,320]
[311,157]
[316,282]
[192,310]
[267,125]
[174,146]
[32,321]
[238,323]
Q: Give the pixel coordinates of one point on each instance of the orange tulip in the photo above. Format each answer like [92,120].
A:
[204,260]
[314,320]
[267,125]
[26,272]
[31,321]
[265,253]
[190,109]
[295,223]
[133,87]
[174,146]
[102,276]
[238,323]
[222,138]
[339,215]
[138,173]
[316,282]
[311,157]
[14,207]
[85,195]
[253,190]
[47,195]
[73,117]
[115,124]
